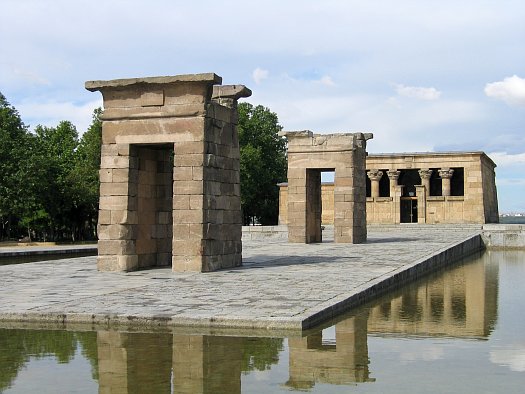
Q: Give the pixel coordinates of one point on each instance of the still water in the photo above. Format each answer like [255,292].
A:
[461,330]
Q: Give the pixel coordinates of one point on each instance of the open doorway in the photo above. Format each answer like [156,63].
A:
[153,177]
[319,205]
[327,208]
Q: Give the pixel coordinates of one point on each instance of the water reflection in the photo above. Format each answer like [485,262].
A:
[342,362]
[460,302]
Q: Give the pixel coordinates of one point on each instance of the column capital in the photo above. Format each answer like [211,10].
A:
[446,173]
[393,175]
[375,175]
[425,173]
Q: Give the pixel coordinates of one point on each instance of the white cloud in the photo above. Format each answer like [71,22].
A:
[503,159]
[51,113]
[514,358]
[511,90]
[259,75]
[30,77]
[327,80]
[417,92]
[427,353]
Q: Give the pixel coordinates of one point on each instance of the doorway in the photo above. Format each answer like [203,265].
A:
[408,210]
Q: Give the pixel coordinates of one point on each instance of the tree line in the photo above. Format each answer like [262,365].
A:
[49,177]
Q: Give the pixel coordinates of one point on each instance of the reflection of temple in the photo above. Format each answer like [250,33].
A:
[459,302]
[342,362]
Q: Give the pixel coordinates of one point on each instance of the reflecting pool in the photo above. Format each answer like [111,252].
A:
[458,330]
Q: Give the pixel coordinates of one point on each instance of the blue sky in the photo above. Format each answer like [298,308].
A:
[421,75]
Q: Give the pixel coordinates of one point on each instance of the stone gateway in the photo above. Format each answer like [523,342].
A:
[169,176]
[310,154]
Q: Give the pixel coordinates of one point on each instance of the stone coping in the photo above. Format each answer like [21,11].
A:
[281,286]
[210,78]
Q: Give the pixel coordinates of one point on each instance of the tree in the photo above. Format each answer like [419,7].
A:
[263,163]
[14,139]
[57,147]
[84,178]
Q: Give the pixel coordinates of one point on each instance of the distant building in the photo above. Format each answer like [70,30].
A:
[436,187]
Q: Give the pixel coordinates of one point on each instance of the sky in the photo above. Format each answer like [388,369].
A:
[421,75]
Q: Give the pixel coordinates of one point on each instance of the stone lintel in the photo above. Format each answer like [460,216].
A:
[210,78]
[299,140]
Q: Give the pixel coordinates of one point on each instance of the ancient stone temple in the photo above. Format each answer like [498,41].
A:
[311,154]
[434,187]
[169,177]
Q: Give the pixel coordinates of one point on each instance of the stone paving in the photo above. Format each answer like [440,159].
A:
[279,286]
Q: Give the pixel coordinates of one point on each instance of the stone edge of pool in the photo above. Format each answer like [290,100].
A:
[309,319]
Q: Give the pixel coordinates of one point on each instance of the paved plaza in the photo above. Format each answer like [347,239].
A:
[279,286]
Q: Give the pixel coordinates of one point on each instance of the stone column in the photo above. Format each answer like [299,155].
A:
[393,176]
[425,175]
[446,174]
[374,176]
[396,193]
[421,204]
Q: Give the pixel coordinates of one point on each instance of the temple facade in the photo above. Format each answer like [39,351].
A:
[436,187]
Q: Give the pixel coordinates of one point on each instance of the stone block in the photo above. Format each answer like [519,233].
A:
[113,202]
[187,187]
[189,160]
[181,202]
[187,263]
[123,175]
[127,263]
[114,162]
[116,247]
[114,189]
[183,173]
[106,175]
[190,216]
[121,231]
[109,150]
[104,217]
[124,217]
[196,202]
[187,247]
[108,263]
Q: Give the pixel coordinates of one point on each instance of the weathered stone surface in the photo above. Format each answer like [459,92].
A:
[310,154]
[188,212]
[477,203]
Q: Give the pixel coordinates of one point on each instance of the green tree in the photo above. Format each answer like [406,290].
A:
[57,147]
[263,163]
[14,139]
[84,179]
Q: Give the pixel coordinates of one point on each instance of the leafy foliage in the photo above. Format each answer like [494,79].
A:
[49,179]
[263,163]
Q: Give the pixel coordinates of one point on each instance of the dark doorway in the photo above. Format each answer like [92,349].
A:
[408,179]
[408,210]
